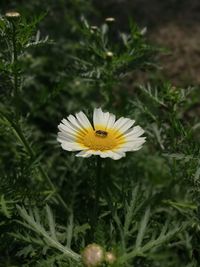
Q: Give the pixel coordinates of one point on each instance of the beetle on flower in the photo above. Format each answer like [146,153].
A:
[107,137]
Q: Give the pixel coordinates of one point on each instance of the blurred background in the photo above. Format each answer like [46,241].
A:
[172,24]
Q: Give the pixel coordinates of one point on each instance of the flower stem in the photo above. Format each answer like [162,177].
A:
[19,133]
[16,100]
[50,239]
[15,69]
[97,189]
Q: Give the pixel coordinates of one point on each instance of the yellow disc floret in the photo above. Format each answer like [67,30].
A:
[101,139]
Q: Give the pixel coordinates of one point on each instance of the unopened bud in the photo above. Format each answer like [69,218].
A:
[110,257]
[110,19]
[109,54]
[94,28]
[12,15]
[77,83]
[173,88]
[93,255]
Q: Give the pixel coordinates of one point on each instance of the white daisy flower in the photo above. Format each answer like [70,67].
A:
[107,137]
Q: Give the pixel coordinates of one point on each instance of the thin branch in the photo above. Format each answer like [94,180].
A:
[49,239]
[18,132]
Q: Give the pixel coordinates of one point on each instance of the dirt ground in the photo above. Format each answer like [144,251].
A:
[182,63]
[173,24]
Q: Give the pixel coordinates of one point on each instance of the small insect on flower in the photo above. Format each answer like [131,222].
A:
[101,133]
[107,137]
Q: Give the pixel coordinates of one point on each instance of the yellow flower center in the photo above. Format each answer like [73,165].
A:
[99,139]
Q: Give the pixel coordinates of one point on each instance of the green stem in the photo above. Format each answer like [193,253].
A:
[97,189]
[52,186]
[49,238]
[31,152]
[140,251]
[15,69]
[16,101]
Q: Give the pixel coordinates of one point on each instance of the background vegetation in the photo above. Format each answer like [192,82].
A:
[61,57]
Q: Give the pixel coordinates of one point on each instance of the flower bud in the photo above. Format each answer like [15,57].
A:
[12,15]
[109,54]
[94,28]
[93,255]
[110,19]
[110,257]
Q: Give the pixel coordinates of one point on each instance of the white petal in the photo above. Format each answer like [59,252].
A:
[105,154]
[63,128]
[112,154]
[69,146]
[65,137]
[136,131]
[69,124]
[75,122]
[84,154]
[95,152]
[110,121]
[104,119]
[117,155]
[106,116]
[98,117]
[132,145]
[136,148]
[126,125]
[83,120]
[135,139]
[120,122]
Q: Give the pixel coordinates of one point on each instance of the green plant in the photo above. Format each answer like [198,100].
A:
[143,208]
